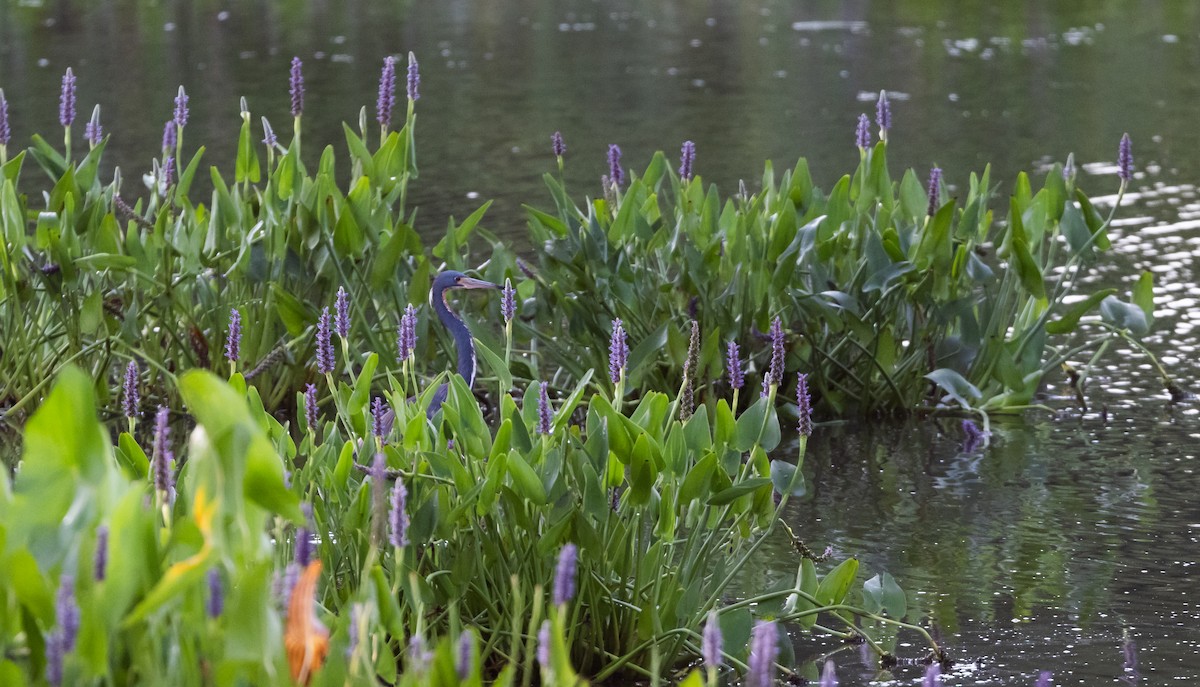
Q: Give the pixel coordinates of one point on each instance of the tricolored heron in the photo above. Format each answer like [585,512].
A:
[458,329]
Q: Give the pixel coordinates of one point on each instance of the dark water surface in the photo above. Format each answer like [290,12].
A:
[1070,544]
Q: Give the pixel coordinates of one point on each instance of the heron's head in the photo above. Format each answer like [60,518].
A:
[458,280]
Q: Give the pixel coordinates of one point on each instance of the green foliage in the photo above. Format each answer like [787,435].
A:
[665,515]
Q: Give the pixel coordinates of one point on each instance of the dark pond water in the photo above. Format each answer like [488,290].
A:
[1070,543]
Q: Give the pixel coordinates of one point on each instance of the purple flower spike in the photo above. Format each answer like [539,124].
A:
[379,505]
[804,405]
[304,547]
[543,648]
[170,136]
[387,93]
[464,661]
[615,175]
[92,131]
[233,339]
[66,100]
[406,334]
[711,642]
[325,361]
[5,129]
[618,352]
[733,366]
[883,115]
[564,575]
[378,418]
[419,655]
[66,611]
[556,141]
[131,401]
[687,158]
[181,108]
[508,302]
[829,675]
[935,190]
[310,406]
[341,322]
[1125,159]
[545,414]
[163,478]
[414,78]
[862,135]
[932,673]
[399,515]
[168,171]
[776,368]
[1044,679]
[764,647]
[100,570]
[216,593]
[972,436]
[296,87]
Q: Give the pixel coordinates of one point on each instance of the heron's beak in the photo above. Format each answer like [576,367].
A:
[471,283]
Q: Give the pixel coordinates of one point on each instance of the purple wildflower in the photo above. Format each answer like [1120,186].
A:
[862,135]
[556,142]
[829,675]
[168,172]
[1068,170]
[216,593]
[508,303]
[972,436]
[543,647]
[464,661]
[414,78]
[5,129]
[935,190]
[545,414]
[54,658]
[766,385]
[399,515]
[764,647]
[310,406]
[406,334]
[711,642]
[92,131]
[170,136]
[296,87]
[291,575]
[66,612]
[233,339]
[1044,679]
[387,93]
[66,100]
[164,478]
[1125,159]
[883,115]
[325,361]
[181,108]
[269,138]
[776,368]
[341,322]
[618,352]
[564,575]
[687,158]
[615,175]
[304,539]
[419,655]
[804,405]
[100,569]
[733,366]
[131,401]
[932,673]
[379,418]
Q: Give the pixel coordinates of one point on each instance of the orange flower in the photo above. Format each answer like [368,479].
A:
[306,639]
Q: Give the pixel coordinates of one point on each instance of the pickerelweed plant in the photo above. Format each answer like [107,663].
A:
[332,558]
[894,296]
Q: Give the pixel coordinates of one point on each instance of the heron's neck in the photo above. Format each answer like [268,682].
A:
[462,338]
